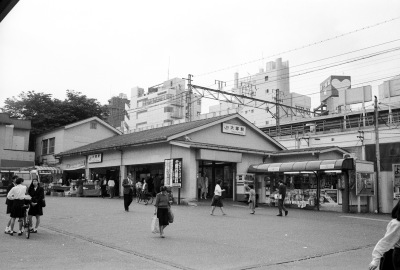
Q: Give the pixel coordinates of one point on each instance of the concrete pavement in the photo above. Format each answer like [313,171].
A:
[95,233]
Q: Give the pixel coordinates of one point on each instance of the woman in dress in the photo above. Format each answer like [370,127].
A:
[217,201]
[36,209]
[391,240]
[161,209]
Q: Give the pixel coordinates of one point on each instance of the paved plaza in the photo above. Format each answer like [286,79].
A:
[96,233]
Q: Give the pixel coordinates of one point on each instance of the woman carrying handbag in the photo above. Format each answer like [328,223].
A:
[386,253]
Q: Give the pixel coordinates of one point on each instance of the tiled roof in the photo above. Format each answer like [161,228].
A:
[145,136]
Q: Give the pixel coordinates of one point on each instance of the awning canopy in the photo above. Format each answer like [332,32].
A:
[44,169]
[315,165]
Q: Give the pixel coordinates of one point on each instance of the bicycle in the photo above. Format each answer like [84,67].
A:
[26,222]
[145,196]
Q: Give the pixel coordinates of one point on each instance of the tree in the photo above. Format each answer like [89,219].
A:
[47,114]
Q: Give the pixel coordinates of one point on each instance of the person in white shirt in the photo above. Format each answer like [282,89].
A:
[216,201]
[390,241]
[111,187]
[17,194]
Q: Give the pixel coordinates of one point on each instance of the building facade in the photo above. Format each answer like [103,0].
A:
[14,143]
[117,112]
[354,132]
[49,144]
[161,105]
[220,147]
[271,84]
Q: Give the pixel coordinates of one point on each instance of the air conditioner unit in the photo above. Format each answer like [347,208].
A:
[350,155]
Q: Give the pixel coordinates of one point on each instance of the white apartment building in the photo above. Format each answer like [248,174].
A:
[269,85]
[389,93]
[161,105]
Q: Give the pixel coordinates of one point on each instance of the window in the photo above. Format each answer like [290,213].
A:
[267,91]
[199,102]
[168,109]
[93,125]
[266,78]
[267,122]
[45,147]
[48,146]
[198,113]
[51,145]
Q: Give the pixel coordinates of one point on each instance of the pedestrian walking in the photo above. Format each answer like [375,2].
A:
[36,208]
[103,187]
[111,187]
[161,209]
[281,198]
[17,195]
[9,204]
[386,253]
[252,199]
[216,200]
[128,193]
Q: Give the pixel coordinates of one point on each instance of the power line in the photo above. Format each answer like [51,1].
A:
[302,47]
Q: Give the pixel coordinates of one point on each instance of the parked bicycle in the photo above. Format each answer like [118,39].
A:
[145,196]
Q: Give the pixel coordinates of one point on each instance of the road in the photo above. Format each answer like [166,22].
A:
[96,233]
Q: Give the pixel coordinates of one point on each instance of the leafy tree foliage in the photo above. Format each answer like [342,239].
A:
[47,113]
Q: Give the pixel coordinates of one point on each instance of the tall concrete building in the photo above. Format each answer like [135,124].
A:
[161,105]
[269,85]
[116,106]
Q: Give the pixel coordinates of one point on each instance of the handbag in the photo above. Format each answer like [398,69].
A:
[170,215]
[155,226]
[43,203]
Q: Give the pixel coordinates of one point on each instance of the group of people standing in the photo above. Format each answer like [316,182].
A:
[18,199]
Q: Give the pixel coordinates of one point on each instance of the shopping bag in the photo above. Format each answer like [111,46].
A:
[155,226]
[170,216]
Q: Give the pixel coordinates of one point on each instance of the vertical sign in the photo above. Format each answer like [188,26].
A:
[173,172]
[396,181]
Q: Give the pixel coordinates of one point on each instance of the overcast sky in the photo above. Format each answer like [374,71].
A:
[103,48]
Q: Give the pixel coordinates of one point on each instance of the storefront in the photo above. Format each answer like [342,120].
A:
[330,185]
[218,147]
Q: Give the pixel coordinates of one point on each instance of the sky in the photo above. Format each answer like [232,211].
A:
[103,48]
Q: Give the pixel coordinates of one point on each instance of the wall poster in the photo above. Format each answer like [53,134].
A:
[173,172]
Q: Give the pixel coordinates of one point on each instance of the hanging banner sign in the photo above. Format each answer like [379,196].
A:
[173,172]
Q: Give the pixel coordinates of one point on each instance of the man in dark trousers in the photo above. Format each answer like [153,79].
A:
[281,198]
[128,192]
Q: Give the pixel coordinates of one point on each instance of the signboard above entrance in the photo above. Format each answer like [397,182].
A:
[95,158]
[233,129]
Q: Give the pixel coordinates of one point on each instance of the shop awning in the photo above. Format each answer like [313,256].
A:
[315,165]
[45,169]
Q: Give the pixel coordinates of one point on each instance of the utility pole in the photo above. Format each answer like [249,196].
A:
[278,125]
[189,99]
[377,153]
[361,137]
